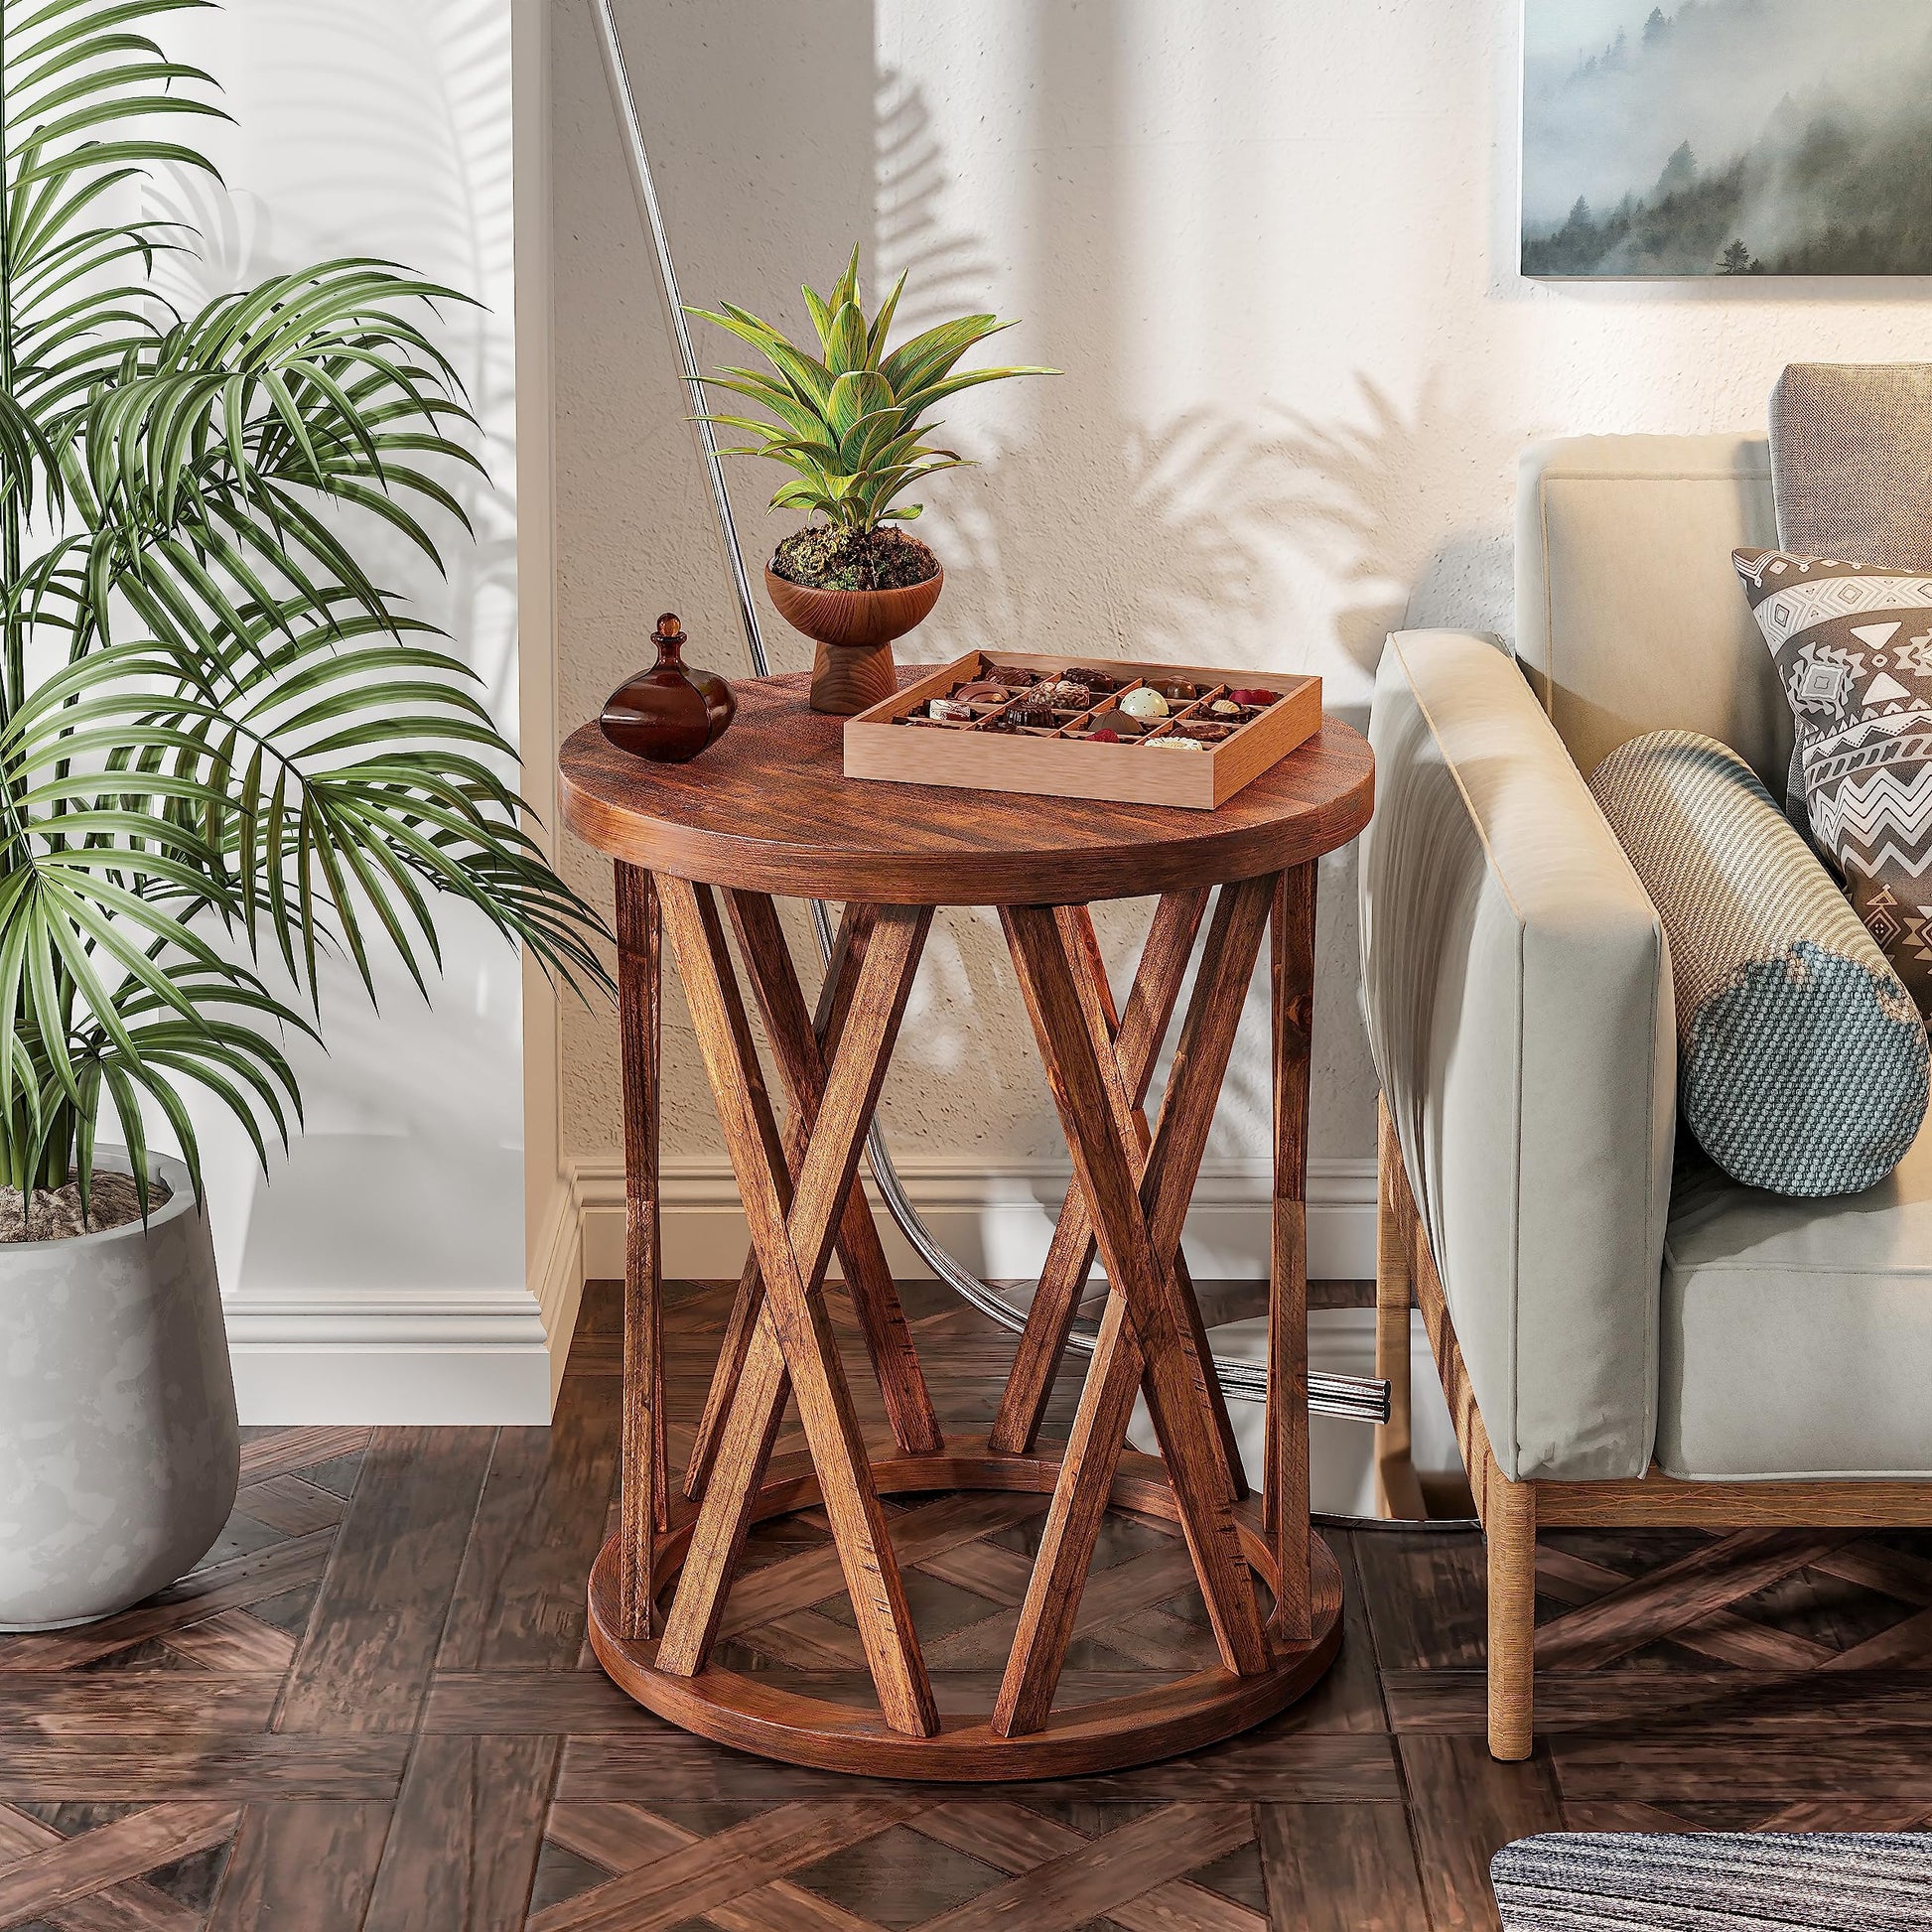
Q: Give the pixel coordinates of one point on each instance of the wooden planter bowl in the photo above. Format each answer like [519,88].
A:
[854,632]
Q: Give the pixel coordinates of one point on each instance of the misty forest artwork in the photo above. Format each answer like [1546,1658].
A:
[1726,137]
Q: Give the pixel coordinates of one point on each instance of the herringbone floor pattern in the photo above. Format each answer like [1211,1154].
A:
[371,1708]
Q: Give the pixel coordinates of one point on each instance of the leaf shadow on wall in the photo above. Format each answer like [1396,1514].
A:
[375,128]
[1168,522]
[1186,530]
[1373,497]
[1171,524]
[1103,535]
[1182,534]
[370,130]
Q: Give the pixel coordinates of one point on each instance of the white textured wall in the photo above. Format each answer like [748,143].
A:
[368,127]
[1272,243]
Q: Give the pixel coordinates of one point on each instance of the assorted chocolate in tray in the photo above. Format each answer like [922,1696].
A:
[1083,728]
[1171,714]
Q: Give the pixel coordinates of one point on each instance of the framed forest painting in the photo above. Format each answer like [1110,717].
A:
[1726,137]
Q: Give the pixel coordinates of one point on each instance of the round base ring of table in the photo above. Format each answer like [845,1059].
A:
[1175,1715]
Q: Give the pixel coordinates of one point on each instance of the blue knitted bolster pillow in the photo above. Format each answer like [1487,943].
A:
[1801,1056]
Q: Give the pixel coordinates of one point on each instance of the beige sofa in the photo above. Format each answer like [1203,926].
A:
[1613,1353]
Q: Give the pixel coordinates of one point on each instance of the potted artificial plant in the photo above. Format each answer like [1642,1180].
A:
[853,425]
[222,743]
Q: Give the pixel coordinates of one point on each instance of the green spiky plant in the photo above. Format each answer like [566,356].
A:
[851,421]
[221,738]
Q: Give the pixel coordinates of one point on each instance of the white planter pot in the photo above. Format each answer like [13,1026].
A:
[120,1452]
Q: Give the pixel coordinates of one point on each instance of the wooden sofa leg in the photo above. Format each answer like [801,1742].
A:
[1507,1509]
[1509,1531]
[1396,1491]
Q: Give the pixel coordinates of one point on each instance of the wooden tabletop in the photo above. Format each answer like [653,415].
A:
[769,809]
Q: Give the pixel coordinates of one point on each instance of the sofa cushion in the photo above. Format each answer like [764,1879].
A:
[1801,1061]
[1852,644]
[1796,1336]
[1627,613]
[1851,460]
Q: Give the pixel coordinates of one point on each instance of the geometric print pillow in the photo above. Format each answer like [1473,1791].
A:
[1853,645]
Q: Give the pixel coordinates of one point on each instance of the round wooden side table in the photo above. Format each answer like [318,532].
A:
[702,846]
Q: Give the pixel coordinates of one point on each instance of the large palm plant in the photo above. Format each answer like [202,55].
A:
[222,743]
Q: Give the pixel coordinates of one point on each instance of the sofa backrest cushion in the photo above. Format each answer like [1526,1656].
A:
[1628,618]
[1851,462]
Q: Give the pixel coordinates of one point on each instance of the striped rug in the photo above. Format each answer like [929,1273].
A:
[1716,1881]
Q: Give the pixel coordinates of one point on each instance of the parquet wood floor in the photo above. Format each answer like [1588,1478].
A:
[371,1710]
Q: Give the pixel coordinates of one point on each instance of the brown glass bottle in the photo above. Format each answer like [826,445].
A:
[670,712]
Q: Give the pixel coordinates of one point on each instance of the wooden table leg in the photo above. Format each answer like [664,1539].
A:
[802,1045]
[1284,1489]
[1133,1188]
[1135,1039]
[644,1504]
[793,1231]
[803,1052]
[1146,1329]
[741,1324]
[1136,1034]
[1070,1254]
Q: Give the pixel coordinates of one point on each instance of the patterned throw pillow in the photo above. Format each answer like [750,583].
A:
[1801,1061]
[1852,644]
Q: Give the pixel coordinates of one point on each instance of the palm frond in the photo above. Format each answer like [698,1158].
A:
[223,741]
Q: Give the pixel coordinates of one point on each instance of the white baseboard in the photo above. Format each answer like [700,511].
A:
[557,1277]
[996,1219]
[451,1356]
[494,1355]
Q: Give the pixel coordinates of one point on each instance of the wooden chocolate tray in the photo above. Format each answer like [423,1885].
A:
[886,743]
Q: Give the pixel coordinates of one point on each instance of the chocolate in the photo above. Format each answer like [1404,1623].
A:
[1178,693]
[983,692]
[1175,745]
[1063,695]
[1013,678]
[1103,738]
[949,709]
[1260,699]
[1098,682]
[1225,708]
[1120,723]
[1143,702]
[1028,716]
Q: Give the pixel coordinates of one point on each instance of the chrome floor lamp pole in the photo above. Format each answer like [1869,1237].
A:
[1359,1397]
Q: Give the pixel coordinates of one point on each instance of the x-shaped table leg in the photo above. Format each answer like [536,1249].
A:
[803,1043]
[792,1229]
[1137,1036]
[1285,1483]
[1137,1211]
[644,1500]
